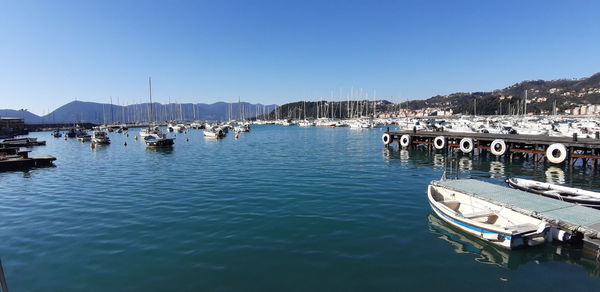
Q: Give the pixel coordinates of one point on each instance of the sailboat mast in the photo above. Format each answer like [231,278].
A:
[150,87]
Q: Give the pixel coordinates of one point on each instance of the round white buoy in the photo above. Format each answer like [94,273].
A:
[386,139]
[439,142]
[405,140]
[556,153]
[466,145]
[498,147]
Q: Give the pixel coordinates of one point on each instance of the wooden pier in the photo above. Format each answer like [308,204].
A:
[539,148]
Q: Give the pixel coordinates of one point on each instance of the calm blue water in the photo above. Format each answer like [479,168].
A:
[281,209]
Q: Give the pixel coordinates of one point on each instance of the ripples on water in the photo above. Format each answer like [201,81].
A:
[282,208]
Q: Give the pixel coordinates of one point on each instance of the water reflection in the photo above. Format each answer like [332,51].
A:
[555,175]
[390,153]
[489,167]
[497,169]
[404,155]
[439,160]
[160,150]
[485,253]
[465,164]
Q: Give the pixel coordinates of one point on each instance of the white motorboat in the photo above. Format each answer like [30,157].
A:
[100,138]
[306,123]
[154,137]
[241,128]
[215,133]
[179,128]
[485,220]
[83,136]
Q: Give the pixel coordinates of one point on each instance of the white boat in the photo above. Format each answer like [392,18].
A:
[241,128]
[100,138]
[567,194]
[306,123]
[154,137]
[150,131]
[83,136]
[215,133]
[485,220]
[179,128]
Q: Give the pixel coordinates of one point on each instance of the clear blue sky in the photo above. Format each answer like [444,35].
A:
[52,52]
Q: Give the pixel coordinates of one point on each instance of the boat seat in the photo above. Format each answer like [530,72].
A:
[477,214]
[523,228]
[452,204]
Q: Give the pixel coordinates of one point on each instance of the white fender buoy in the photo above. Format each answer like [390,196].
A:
[466,145]
[556,153]
[439,142]
[498,147]
[386,139]
[405,140]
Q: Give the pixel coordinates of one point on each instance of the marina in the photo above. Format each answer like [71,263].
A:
[299,146]
[227,205]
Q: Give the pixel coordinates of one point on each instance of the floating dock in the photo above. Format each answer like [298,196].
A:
[13,159]
[553,149]
[583,222]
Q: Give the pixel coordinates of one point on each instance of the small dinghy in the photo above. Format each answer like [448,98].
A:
[485,220]
[567,194]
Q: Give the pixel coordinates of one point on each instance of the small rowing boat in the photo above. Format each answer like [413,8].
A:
[567,194]
[487,221]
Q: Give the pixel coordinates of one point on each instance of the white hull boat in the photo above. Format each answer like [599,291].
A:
[567,194]
[100,138]
[214,133]
[495,224]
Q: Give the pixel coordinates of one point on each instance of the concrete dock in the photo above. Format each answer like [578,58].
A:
[583,222]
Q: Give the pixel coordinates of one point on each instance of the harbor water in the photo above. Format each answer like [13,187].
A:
[279,209]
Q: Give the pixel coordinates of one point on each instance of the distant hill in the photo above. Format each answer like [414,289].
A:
[29,117]
[92,112]
[541,95]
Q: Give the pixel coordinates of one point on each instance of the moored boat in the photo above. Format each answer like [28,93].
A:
[100,138]
[487,221]
[216,133]
[567,194]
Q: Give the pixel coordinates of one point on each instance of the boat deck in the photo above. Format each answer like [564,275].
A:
[565,215]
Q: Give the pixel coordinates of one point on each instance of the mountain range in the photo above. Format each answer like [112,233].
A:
[99,113]
[533,96]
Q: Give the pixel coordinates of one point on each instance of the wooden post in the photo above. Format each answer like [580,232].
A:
[3,285]
[571,160]
[535,156]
